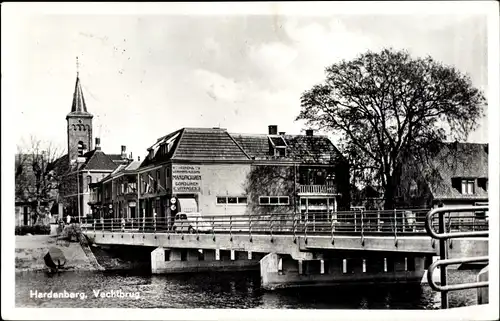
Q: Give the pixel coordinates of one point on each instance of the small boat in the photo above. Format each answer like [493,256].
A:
[54,259]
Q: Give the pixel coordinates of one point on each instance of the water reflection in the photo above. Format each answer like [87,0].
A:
[220,290]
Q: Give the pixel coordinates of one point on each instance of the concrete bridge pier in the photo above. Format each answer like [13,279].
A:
[178,260]
[280,271]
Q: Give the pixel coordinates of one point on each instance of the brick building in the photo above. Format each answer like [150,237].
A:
[83,164]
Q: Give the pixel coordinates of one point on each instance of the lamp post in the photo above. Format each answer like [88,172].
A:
[78,161]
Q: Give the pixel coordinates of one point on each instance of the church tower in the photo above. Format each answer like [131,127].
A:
[79,124]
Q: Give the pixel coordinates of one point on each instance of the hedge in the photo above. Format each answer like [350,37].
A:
[35,230]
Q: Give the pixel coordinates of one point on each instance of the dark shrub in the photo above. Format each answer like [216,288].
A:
[35,230]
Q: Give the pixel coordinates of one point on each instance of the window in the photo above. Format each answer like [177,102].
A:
[81,147]
[483,183]
[167,172]
[280,151]
[467,186]
[89,181]
[232,200]
[274,200]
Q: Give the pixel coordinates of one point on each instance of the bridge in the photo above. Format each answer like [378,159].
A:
[293,249]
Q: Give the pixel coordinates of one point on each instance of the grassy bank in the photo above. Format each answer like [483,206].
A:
[30,251]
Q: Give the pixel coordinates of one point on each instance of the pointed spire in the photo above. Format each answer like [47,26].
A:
[78,105]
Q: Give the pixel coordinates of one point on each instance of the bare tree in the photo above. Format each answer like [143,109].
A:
[388,105]
[35,178]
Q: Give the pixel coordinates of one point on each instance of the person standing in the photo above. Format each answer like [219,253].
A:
[68,219]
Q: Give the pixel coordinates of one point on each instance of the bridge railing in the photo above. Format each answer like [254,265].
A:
[444,234]
[363,223]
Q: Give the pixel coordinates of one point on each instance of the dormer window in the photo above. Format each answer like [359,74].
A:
[280,151]
[483,183]
[277,146]
[468,186]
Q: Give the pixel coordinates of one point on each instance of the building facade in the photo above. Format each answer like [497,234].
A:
[456,174]
[213,172]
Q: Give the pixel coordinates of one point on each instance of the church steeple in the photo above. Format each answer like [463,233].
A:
[78,105]
[79,122]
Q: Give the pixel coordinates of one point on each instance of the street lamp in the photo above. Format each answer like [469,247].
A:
[78,161]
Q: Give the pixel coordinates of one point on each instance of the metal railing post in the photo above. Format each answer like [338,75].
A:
[112,225]
[306,222]
[443,236]
[197,230]
[294,227]
[213,228]
[442,256]
[271,231]
[231,227]
[154,223]
[362,228]
[250,226]
[94,225]
[378,220]
[332,228]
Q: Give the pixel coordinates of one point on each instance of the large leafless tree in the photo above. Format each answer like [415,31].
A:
[385,105]
[36,181]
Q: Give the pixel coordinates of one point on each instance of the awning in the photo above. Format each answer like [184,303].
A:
[188,205]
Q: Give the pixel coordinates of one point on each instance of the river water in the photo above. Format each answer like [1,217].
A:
[237,290]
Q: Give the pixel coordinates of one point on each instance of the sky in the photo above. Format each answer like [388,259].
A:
[144,76]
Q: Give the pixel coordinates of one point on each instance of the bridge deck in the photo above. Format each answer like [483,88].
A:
[289,244]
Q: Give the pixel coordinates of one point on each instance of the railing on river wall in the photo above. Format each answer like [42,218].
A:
[444,236]
[362,223]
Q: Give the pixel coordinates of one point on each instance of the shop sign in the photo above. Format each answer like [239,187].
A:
[186,178]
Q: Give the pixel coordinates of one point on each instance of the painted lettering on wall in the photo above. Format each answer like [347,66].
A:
[186,178]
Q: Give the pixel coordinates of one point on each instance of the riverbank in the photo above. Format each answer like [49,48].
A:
[30,250]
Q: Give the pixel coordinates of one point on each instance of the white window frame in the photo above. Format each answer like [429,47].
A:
[227,197]
[466,183]
[274,204]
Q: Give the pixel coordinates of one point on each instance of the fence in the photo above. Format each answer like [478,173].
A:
[393,222]
[444,235]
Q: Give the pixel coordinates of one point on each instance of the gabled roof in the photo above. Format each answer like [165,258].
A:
[197,144]
[208,144]
[98,160]
[133,166]
[457,161]
[118,159]
[216,144]
[301,148]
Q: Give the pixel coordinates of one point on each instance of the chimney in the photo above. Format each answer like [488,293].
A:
[97,143]
[124,151]
[282,133]
[309,132]
[273,129]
